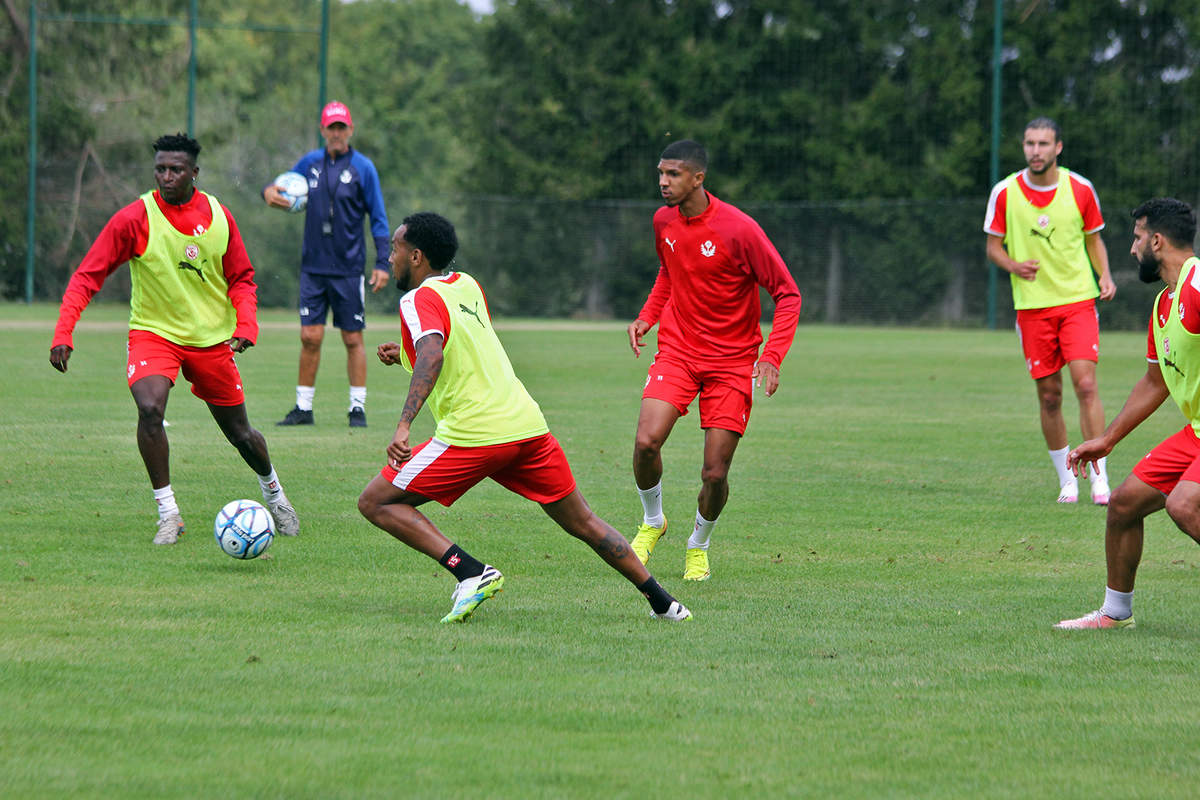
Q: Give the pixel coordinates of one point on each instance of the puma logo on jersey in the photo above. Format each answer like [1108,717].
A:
[670,244]
[193,268]
[1046,236]
[474,313]
[708,249]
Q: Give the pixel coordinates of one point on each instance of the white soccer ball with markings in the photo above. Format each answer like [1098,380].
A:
[294,188]
[244,528]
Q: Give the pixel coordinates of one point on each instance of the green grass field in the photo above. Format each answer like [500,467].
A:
[878,622]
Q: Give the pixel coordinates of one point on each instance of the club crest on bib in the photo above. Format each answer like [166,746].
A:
[1166,346]
[192,252]
[708,249]
[1043,220]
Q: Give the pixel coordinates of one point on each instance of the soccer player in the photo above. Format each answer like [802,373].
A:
[1169,475]
[712,260]
[487,426]
[1043,225]
[193,305]
[343,188]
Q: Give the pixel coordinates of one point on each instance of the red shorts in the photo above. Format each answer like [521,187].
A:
[1176,458]
[1051,337]
[211,370]
[536,469]
[726,393]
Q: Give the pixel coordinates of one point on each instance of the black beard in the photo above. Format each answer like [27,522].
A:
[1148,269]
[403,284]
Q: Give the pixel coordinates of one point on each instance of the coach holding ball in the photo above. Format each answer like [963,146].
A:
[343,187]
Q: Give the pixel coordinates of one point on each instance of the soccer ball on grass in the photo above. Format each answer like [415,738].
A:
[244,528]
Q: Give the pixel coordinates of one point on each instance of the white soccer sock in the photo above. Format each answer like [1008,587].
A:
[1059,458]
[701,533]
[1118,605]
[304,397]
[652,513]
[164,498]
[271,488]
[358,397]
[1099,477]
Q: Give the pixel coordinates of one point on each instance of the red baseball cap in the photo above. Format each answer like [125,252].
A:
[335,112]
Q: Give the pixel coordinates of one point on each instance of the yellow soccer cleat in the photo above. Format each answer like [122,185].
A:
[470,593]
[647,537]
[695,565]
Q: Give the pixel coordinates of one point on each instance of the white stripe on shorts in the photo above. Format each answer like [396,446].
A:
[413,467]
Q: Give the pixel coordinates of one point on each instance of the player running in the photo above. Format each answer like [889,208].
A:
[1169,475]
[712,260]
[192,306]
[487,426]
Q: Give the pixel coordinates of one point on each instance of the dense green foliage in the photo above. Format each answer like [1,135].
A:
[862,130]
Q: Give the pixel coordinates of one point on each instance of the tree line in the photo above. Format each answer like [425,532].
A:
[858,133]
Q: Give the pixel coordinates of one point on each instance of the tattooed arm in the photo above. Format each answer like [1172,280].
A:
[426,368]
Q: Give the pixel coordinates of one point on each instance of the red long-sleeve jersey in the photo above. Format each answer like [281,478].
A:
[125,237]
[705,298]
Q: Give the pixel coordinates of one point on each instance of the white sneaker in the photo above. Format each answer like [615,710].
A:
[676,613]
[1069,493]
[286,521]
[1100,494]
[169,530]
[1095,620]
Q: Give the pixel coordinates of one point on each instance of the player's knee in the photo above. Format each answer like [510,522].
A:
[1085,388]
[1120,508]
[1051,401]
[646,446]
[1184,511]
[714,474]
[367,505]
[151,414]
[243,437]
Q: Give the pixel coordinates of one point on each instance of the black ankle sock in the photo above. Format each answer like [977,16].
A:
[660,601]
[460,564]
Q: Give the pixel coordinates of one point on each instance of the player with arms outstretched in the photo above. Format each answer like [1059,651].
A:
[193,305]
[487,427]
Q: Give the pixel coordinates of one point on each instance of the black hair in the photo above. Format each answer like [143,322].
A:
[1045,122]
[433,235]
[178,143]
[1173,218]
[691,153]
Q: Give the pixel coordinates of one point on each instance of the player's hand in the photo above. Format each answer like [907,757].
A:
[59,356]
[1087,453]
[766,376]
[275,198]
[1108,289]
[379,279]
[238,344]
[399,451]
[1027,270]
[389,353]
[637,329]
